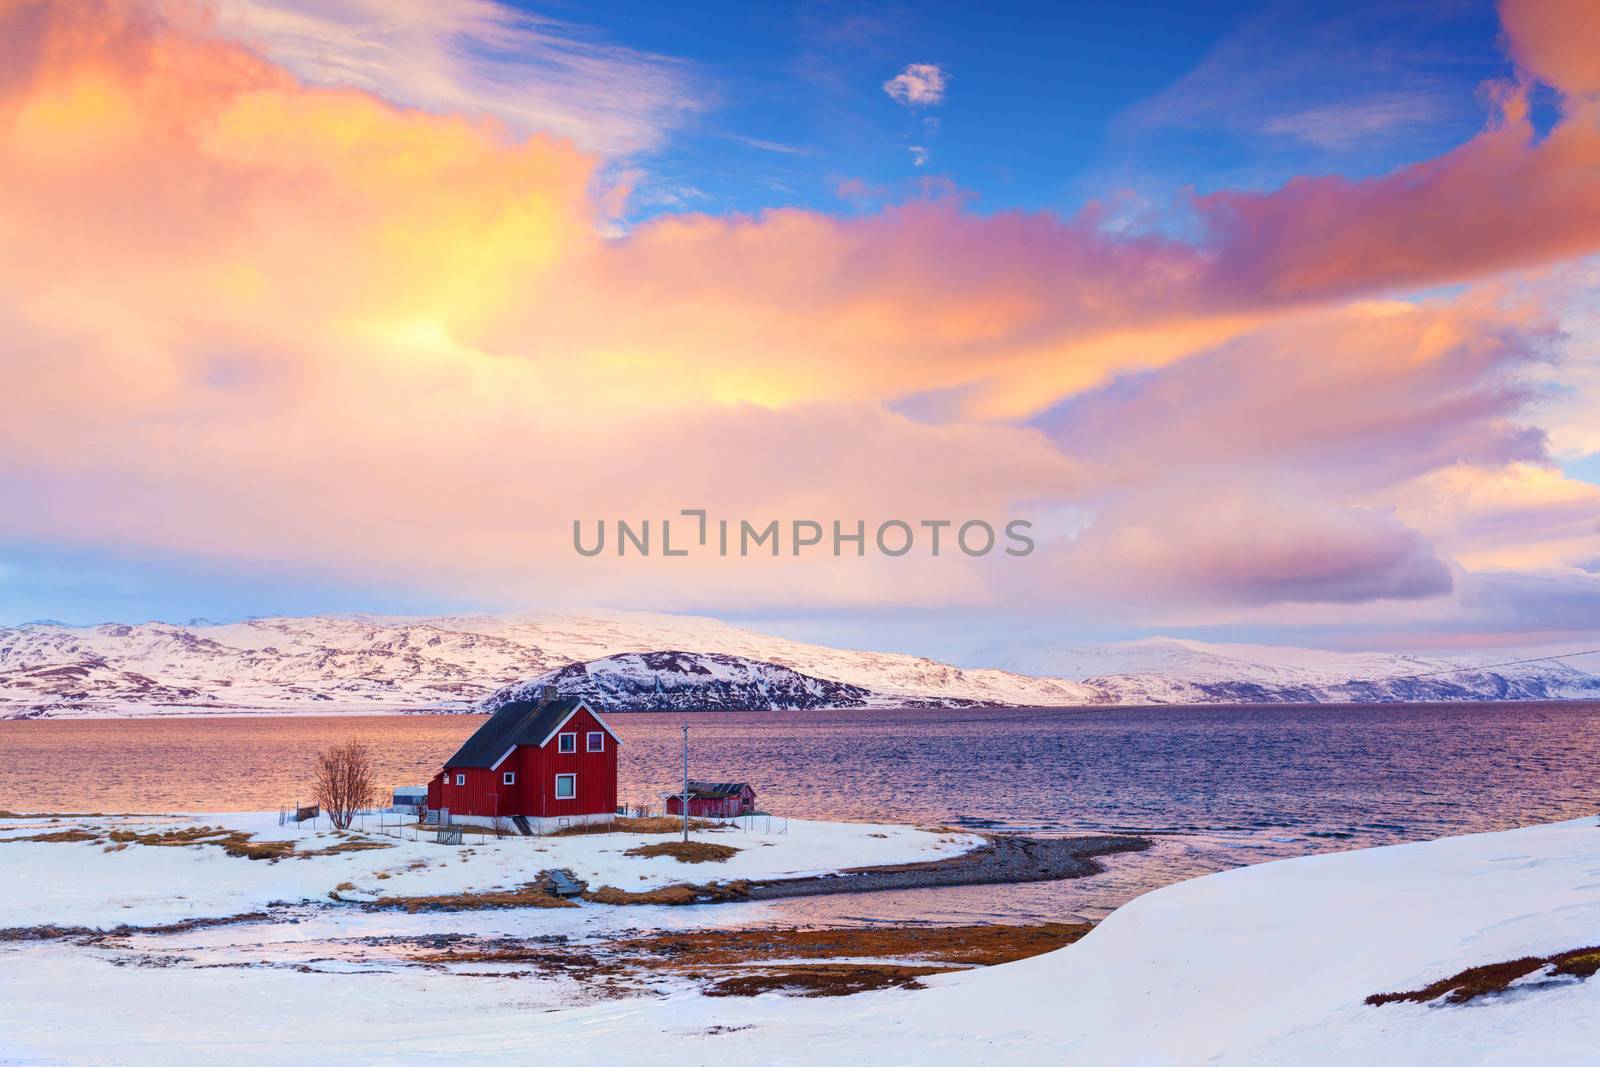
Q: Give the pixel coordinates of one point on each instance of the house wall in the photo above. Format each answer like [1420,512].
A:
[596,771]
[537,825]
[704,807]
[714,807]
[481,795]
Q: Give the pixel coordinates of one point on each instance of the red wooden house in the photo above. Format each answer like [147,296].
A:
[536,765]
[714,800]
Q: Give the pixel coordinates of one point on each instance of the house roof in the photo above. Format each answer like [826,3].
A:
[521,722]
[715,789]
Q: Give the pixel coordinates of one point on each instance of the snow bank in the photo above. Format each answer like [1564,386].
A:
[1261,965]
[84,885]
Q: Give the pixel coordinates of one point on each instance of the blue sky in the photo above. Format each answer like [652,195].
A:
[1048,106]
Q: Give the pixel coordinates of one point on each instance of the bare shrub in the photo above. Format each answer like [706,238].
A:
[345,781]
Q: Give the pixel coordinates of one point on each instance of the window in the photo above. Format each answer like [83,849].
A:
[566,786]
[597,741]
[461,779]
[509,778]
[567,743]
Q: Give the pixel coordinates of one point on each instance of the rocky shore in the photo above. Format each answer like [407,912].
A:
[1006,858]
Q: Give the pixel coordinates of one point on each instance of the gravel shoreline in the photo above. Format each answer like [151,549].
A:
[1006,858]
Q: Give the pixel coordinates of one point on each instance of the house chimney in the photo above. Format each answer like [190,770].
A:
[549,693]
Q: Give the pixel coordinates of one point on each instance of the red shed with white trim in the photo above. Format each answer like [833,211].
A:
[713,800]
[535,766]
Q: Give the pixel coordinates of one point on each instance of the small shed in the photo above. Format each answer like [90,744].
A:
[714,800]
[409,798]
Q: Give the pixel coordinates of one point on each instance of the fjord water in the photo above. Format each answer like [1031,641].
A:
[1220,785]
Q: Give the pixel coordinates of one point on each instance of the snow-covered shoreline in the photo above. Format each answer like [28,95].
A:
[95,884]
[1268,964]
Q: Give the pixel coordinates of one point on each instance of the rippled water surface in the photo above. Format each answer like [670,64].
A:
[1221,785]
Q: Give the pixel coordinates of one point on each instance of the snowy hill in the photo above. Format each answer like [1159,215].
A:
[688,681]
[379,664]
[1164,670]
[371,664]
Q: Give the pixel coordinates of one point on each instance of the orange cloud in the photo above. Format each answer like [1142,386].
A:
[263,320]
[1555,41]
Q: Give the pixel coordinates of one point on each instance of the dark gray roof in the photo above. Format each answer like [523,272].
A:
[522,722]
[717,789]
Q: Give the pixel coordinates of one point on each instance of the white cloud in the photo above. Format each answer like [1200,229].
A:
[919,85]
[919,155]
[476,56]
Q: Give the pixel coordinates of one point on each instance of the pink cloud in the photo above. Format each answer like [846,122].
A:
[264,320]
[1555,41]
[919,85]
[1232,547]
[1349,400]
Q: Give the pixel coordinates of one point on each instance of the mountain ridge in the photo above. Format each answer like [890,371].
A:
[375,664]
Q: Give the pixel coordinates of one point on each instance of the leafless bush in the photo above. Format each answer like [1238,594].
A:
[345,781]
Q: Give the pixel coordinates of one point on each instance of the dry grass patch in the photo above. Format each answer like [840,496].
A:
[531,895]
[812,963]
[982,946]
[683,893]
[686,851]
[56,837]
[1490,978]
[354,845]
[823,980]
[233,842]
[46,933]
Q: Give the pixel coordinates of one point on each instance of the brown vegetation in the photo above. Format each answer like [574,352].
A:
[1496,977]
[345,781]
[531,895]
[964,945]
[353,845]
[683,893]
[46,933]
[686,851]
[56,836]
[822,980]
[233,842]
[751,962]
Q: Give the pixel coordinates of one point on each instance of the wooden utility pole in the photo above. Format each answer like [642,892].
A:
[685,782]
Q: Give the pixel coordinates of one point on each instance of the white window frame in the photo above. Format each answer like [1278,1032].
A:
[570,796]
[561,742]
[508,778]
[461,779]
[589,738]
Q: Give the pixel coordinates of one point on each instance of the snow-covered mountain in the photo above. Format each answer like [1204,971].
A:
[1165,670]
[380,664]
[376,664]
[688,681]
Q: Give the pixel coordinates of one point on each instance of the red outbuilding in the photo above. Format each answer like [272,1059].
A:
[535,766]
[714,800]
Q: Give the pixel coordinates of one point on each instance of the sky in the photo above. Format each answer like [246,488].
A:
[1276,321]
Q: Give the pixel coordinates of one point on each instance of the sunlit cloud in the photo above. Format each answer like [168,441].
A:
[482,57]
[919,85]
[259,314]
